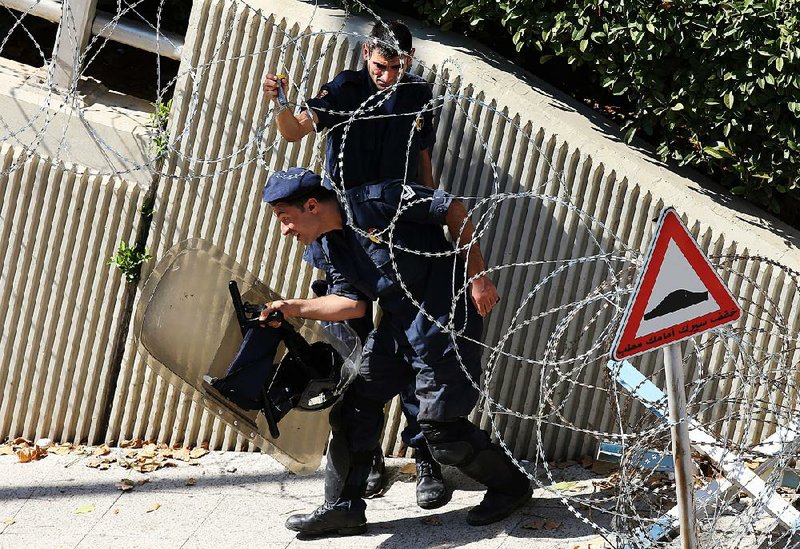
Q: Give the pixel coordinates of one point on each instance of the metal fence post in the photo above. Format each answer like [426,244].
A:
[73,36]
[681,447]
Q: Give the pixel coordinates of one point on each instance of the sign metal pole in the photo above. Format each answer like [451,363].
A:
[681,448]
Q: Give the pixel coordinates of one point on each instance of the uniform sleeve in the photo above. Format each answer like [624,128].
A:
[337,284]
[341,287]
[420,204]
[427,134]
[327,100]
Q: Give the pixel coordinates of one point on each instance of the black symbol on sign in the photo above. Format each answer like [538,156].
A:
[675,301]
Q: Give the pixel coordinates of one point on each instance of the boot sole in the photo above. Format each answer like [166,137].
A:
[348,531]
[515,504]
[436,503]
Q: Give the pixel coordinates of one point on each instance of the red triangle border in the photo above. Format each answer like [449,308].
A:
[670,227]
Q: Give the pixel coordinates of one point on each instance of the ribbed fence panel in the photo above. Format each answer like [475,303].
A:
[564,226]
[570,235]
[60,225]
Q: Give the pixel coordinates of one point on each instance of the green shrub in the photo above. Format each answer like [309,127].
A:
[159,135]
[129,260]
[714,84]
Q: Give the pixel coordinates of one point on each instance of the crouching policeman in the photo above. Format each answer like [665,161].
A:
[428,332]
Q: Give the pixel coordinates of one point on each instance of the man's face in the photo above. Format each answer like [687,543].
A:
[301,223]
[383,71]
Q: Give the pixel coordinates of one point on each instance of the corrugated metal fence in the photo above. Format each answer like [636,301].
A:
[573,208]
[60,301]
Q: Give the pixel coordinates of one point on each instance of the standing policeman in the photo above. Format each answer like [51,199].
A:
[380,122]
[428,320]
[371,115]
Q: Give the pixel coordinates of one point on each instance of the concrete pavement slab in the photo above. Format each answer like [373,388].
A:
[234,499]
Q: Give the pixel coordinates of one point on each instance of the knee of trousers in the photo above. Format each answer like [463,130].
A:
[335,416]
[351,407]
[454,442]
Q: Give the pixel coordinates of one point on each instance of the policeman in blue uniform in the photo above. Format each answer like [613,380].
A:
[432,307]
[380,117]
[380,126]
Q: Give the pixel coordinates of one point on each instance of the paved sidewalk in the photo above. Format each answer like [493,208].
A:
[242,500]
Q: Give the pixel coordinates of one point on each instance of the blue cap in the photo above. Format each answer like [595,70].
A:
[293,183]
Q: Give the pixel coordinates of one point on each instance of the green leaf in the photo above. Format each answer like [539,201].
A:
[740,190]
[779,64]
[728,99]
[583,45]
[629,135]
[677,107]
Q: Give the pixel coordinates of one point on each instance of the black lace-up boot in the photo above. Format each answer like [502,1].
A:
[376,480]
[431,491]
[329,518]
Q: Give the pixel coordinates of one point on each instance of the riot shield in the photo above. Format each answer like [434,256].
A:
[187,328]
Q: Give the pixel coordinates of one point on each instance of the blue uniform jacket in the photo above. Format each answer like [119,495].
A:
[360,267]
[376,147]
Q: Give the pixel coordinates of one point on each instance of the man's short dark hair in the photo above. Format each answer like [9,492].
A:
[322,194]
[386,36]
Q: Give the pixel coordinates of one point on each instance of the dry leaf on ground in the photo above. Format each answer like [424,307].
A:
[102,463]
[542,524]
[148,450]
[102,450]
[432,520]
[181,454]
[126,484]
[88,508]
[409,469]
[135,443]
[6,450]
[191,481]
[60,449]
[9,521]
[154,507]
[26,455]
[197,453]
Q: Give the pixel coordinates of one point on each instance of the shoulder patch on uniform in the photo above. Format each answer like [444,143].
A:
[408,193]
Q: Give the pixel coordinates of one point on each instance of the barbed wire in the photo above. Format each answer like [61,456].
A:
[553,334]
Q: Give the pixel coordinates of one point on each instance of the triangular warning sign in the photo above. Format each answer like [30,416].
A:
[678,293]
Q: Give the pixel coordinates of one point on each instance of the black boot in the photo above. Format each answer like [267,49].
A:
[377,475]
[431,491]
[508,488]
[329,519]
[497,506]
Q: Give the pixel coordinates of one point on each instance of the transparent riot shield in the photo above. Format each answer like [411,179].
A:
[187,328]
